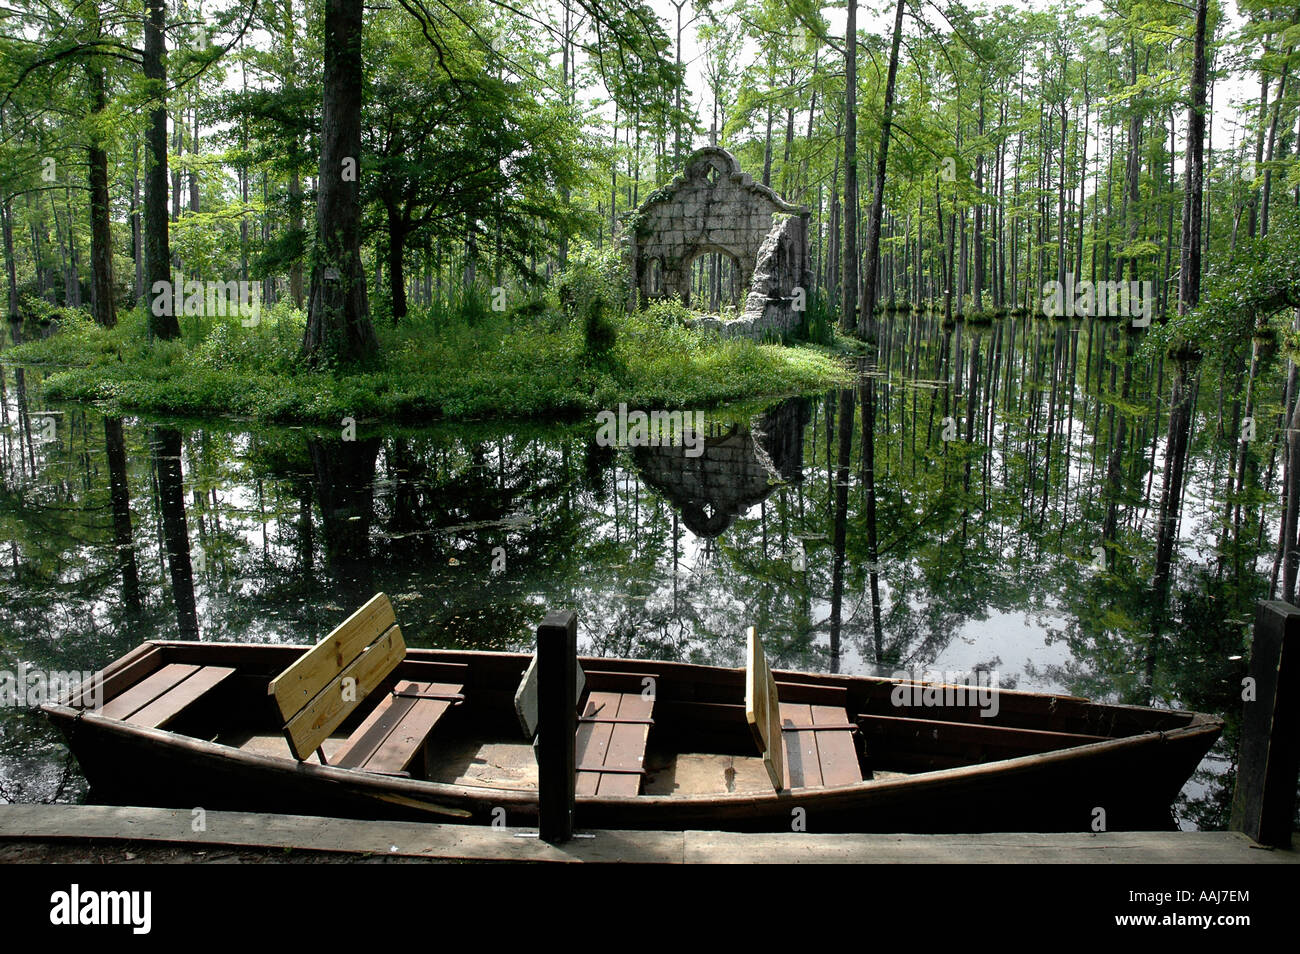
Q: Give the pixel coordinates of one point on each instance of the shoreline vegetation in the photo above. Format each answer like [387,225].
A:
[459,362]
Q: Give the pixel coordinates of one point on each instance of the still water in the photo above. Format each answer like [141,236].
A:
[1005,519]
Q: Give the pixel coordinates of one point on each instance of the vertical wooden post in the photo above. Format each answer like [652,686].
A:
[1263,804]
[557,654]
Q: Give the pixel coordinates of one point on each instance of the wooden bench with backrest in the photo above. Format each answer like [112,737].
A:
[331,680]
[803,744]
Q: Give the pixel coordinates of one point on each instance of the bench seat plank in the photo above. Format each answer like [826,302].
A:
[836,753]
[319,718]
[592,739]
[616,745]
[302,682]
[802,762]
[147,690]
[818,759]
[180,697]
[392,735]
[627,746]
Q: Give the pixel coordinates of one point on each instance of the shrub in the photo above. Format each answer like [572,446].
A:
[669,311]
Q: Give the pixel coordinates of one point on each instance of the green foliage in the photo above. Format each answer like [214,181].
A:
[1250,294]
[592,293]
[462,360]
[819,321]
[669,311]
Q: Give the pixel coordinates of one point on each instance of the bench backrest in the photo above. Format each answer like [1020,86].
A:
[763,710]
[331,679]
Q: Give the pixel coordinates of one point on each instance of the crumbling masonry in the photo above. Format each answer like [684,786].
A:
[714,207]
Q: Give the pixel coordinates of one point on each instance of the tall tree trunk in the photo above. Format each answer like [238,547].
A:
[396,273]
[157,253]
[1189,271]
[840,514]
[11,271]
[1182,400]
[870,286]
[102,305]
[139,292]
[848,315]
[338,314]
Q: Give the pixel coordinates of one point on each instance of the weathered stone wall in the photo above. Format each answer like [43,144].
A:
[714,207]
[739,468]
[781,270]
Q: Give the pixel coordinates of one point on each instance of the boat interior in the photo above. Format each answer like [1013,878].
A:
[360,700]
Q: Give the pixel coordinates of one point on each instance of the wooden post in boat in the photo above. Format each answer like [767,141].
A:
[1263,804]
[557,721]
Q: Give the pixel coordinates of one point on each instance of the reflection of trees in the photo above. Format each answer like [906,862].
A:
[120,497]
[166,446]
[1057,446]
[344,485]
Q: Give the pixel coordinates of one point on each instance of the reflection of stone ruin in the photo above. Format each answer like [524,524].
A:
[714,207]
[739,468]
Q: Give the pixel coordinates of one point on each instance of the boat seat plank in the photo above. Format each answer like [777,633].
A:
[818,758]
[592,740]
[627,744]
[763,710]
[802,764]
[147,690]
[302,682]
[123,673]
[391,737]
[616,745]
[180,697]
[836,753]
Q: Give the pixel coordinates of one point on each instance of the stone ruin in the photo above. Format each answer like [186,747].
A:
[714,207]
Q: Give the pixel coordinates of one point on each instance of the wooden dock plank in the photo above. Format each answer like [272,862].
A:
[484,843]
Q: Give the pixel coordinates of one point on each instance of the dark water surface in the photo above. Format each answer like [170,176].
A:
[1016,476]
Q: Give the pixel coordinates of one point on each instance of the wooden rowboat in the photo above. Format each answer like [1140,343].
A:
[437,737]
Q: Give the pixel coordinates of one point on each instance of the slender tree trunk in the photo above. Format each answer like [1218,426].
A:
[396,273]
[1182,400]
[171,491]
[848,316]
[102,306]
[157,253]
[1189,271]
[11,271]
[870,287]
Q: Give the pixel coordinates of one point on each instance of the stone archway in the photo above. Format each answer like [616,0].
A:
[714,207]
[732,284]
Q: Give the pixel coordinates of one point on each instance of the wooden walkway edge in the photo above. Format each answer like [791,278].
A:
[481,843]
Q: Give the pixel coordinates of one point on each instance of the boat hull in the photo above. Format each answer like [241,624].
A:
[1125,783]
